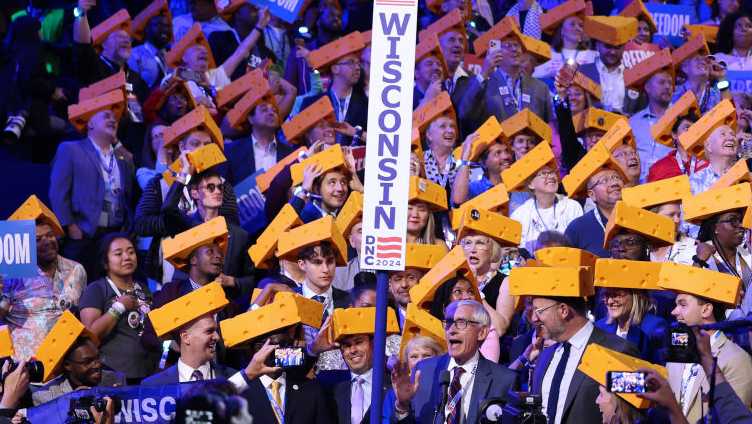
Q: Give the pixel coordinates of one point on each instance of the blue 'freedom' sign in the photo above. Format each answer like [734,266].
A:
[18,249]
[287,10]
[670,20]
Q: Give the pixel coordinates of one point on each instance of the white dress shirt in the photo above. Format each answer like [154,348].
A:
[185,374]
[612,86]
[264,156]
[579,343]
[467,381]
[266,381]
[367,385]
[327,295]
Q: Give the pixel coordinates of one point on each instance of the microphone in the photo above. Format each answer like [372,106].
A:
[444,387]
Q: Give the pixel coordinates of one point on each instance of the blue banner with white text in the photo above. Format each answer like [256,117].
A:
[740,81]
[287,10]
[670,20]
[18,249]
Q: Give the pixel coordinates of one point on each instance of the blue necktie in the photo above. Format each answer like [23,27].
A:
[553,395]
[322,300]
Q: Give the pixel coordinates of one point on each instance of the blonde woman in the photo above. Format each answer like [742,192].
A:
[616,410]
[420,348]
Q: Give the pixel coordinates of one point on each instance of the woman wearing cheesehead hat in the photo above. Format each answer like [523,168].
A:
[425,200]
[545,210]
[625,290]
[701,73]
[665,198]
[569,43]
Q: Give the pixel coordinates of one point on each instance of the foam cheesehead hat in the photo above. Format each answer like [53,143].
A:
[6,343]
[428,192]
[419,322]
[492,199]
[231,93]
[350,213]
[488,133]
[58,342]
[710,32]
[567,257]
[201,159]
[619,134]
[523,170]
[80,113]
[626,274]
[738,173]
[669,190]
[506,231]
[452,21]
[311,234]
[435,6]
[264,181]
[448,267]
[155,8]
[328,159]
[526,120]
[636,9]
[194,36]
[266,243]
[197,119]
[612,30]
[34,210]
[429,46]
[595,160]
[596,119]
[554,18]
[178,249]
[325,56]
[586,83]
[260,93]
[707,284]
[427,112]
[661,130]
[505,28]
[113,82]
[545,281]
[423,256]
[724,113]
[659,230]
[286,310]
[320,110]
[598,360]
[355,321]
[121,20]
[636,76]
[205,300]
[694,46]
[704,205]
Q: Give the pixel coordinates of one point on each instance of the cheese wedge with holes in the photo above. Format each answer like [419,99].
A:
[318,111]
[738,173]
[205,300]
[713,202]
[598,360]
[57,342]
[80,113]
[526,120]
[353,321]
[565,256]
[619,134]
[694,138]
[266,243]
[264,181]
[231,93]
[237,117]
[34,210]
[505,28]
[659,229]
[594,118]
[427,112]
[636,76]
[555,17]
[710,32]
[626,274]
[6,343]
[195,35]
[661,131]
[521,171]
[327,160]
[155,8]
[506,231]
[197,119]
[114,82]
[451,21]
[350,213]
[656,193]
[421,323]
[286,310]
[121,20]
[492,199]
[594,160]
[178,249]
[324,229]
[637,9]
[329,53]
[487,133]
[694,46]
[704,283]
[448,267]
[551,281]
[423,256]
[613,30]
[427,191]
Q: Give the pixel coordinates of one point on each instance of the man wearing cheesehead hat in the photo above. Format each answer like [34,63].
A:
[352,329]
[611,33]
[284,395]
[350,223]
[560,314]
[104,50]
[31,306]
[702,298]
[702,73]
[154,26]
[655,77]
[91,185]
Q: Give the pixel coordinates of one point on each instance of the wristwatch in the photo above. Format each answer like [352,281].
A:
[300,192]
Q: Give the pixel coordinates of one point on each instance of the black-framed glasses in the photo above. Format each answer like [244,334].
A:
[211,187]
[460,323]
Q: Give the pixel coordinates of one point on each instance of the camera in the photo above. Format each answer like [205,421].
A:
[524,408]
[625,382]
[287,357]
[14,127]
[79,410]
[682,346]
[33,367]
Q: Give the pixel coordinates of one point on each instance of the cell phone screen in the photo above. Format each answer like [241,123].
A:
[286,357]
[626,382]
[679,338]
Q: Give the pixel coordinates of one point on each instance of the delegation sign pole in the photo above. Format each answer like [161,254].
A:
[387,179]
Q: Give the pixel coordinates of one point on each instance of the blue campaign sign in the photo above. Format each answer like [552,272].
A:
[287,10]
[18,249]
[251,204]
[740,81]
[139,404]
[670,19]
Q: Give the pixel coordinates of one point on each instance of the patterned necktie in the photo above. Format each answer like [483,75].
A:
[553,395]
[454,387]
[197,376]
[275,395]
[322,300]
[357,401]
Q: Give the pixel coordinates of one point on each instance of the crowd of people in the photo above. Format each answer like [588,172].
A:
[579,203]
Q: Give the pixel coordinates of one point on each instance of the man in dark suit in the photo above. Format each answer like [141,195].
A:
[91,185]
[568,395]
[473,377]
[501,89]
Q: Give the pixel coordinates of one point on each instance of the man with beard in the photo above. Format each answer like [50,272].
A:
[82,369]
[560,314]
[31,306]
[656,79]
[148,59]
[430,71]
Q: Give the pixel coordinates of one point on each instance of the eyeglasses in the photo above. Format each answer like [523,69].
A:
[211,187]
[734,222]
[468,244]
[460,323]
[540,311]
[606,180]
[545,174]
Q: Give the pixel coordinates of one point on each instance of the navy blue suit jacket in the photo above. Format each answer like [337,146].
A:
[170,375]
[491,380]
[240,160]
[342,399]
[649,336]
[77,187]
[304,403]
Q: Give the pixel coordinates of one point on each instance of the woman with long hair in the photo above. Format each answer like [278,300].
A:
[734,46]
[568,45]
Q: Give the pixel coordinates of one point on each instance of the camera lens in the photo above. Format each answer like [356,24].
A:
[35,370]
